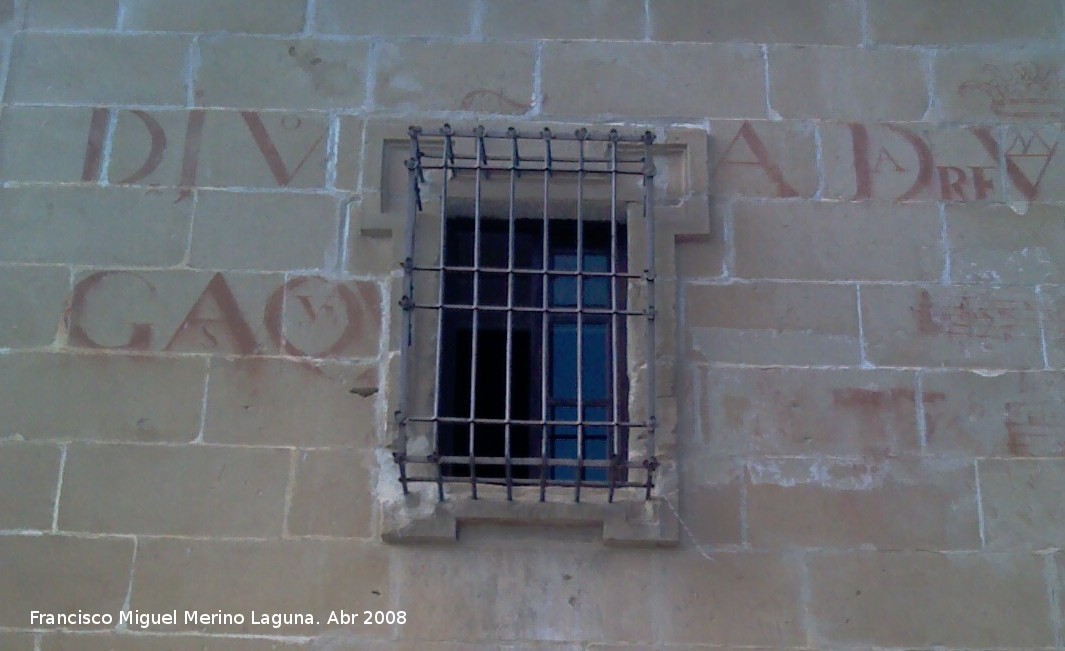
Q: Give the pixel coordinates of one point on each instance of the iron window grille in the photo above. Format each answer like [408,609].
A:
[532,315]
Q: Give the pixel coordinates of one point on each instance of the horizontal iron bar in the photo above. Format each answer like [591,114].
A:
[526,461]
[558,483]
[518,308]
[553,170]
[539,135]
[540,159]
[516,421]
[535,272]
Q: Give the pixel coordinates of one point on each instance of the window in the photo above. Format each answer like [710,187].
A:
[528,300]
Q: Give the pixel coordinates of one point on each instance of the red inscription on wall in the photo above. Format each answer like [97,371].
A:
[305,317]
[1037,425]
[977,317]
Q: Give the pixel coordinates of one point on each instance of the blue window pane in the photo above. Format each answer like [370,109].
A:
[563,292]
[564,449]
[564,360]
[595,370]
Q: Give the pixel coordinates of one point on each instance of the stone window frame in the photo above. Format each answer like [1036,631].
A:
[682,209]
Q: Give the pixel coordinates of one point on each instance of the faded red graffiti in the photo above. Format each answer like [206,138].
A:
[977,317]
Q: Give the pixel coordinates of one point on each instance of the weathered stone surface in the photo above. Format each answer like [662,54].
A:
[254,72]
[177,311]
[558,19]
[1053,299]
[28,478]
[835,22]
[925,599]
[264,232]
[703,256]
[141,642]
[946,22]
[93,226]
[60,574]
[32,301]
[596,79]
[274,576]
[256,16]
[482,77]
[331,319]
[847,84]
[998,84]
[332,495]
[890,504]
[281,402]
[773,323]
[787,240]
[999,415]
[763,158]
[43,143]
[910,162]
[81,69]
[394,18]
[18,641]
[572,590]
[711,499]
[349,169]
[100,397]
[1022,502]
[808,412]
[187,490]
[62,14]
[219,149]
[993,244]
[952,326]
[736,598]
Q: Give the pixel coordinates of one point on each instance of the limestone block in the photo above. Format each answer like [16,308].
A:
[187,490]
[952,326]
[920,599]
[957,22]
[993,244]
[282,402]
[273,576]
[763,158]
[32,300]
[994,415]
[61,14]
[826,241]
[835,22]
[264,232]
[98,69]
[625,79]
[60,574]
[847,83]
[251,16]
[44,143]
[868,413]
[28,478]
[1022,505]
[93,226]
[256,72]
[773,323]
[485,77]
[733,598]
[887,503]
[394,18]
[560,19]
[332,495]
[100,397]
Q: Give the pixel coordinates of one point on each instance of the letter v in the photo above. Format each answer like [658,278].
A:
[269,150]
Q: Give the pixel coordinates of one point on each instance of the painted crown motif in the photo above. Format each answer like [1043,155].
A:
[1026,90]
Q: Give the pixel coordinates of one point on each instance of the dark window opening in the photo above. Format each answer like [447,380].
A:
[545,397]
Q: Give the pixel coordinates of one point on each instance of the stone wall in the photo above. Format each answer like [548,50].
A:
[193,353]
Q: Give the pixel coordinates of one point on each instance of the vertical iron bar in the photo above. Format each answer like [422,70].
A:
[581,134]
[649,217]
[448,161]
[615,447]
[407,302]
[544,325]
[481,162]
[511,226]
